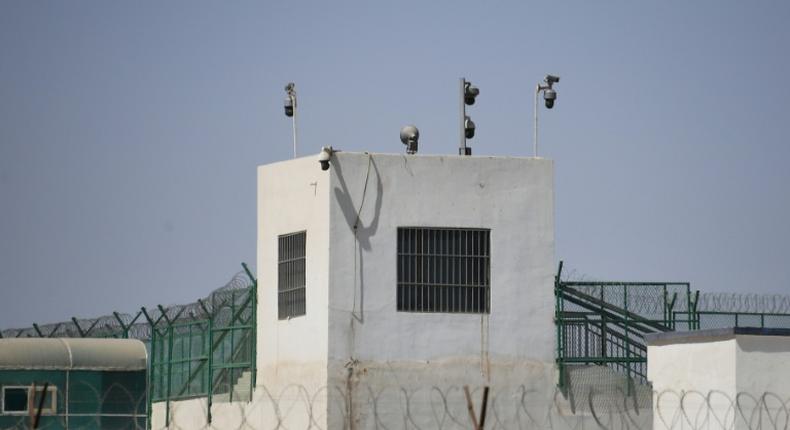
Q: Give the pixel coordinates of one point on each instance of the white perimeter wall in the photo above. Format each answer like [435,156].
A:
[718,381]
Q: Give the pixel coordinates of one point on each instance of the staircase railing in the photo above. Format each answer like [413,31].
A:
[604,323]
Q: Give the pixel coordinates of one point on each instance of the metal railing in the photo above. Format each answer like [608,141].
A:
[604,323]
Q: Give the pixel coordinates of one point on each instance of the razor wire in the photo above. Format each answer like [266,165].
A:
[648,299]
[744,303]
[295,407]
[443,407]
[139,324]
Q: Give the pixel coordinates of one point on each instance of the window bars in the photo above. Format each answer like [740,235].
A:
[291,275]
[444,270]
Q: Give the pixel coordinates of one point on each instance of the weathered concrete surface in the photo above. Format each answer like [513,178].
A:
[719,378]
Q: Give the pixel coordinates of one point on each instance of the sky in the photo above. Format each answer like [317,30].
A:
[130,132]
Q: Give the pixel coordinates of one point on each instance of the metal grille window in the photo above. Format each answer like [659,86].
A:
[291,275]
[444,270]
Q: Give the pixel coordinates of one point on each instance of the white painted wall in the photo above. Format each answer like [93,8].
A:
[718,379]
[514,197]
[763,364]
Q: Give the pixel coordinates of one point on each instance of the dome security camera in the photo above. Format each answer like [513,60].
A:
[410,136]
[324,156]
[470,94]
[469,128]
[288,103]
[549,95]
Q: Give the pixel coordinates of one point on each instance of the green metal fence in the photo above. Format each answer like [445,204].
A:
[202,349]
[207,358]
[140,324]
[212,357]
[604,323]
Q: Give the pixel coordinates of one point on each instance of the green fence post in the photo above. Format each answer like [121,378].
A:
[210,367]
[254,334]
[627,341]
[151,379]
[169,371]
[558,321]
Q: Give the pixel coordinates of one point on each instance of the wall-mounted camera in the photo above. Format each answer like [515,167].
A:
[325,156]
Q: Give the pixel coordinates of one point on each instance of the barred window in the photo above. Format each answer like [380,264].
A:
[444,270]
[291,275]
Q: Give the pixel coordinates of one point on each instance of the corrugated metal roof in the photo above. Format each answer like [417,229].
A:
[72,354]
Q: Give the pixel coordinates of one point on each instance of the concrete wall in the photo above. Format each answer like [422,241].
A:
[763,364]
[718,378]
[511,196]
[293,196]
[374,345]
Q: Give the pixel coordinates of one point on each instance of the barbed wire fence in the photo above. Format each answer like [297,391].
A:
[744,303]
[139,324]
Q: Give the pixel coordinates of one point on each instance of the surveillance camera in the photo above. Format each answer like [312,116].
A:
[550,79]
[288,103]
[470,93]
[324,156]
[410,136]
[550,96]
[469,128]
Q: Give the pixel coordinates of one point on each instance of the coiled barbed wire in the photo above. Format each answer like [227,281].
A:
[445,407]
[744,303]
[136,326]
[295,407]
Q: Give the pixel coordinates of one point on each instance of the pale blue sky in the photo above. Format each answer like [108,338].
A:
[130,132]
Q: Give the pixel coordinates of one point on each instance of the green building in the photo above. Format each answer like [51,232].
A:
[67,383]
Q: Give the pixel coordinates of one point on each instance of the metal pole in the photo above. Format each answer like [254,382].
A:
[535,130]
[462,147]
[293,121]
[209,399]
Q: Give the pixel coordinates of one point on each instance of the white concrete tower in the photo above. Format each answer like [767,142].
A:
[401,271]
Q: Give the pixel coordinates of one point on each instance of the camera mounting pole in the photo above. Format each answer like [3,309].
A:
[535,129]
[462,150]
[468,93]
